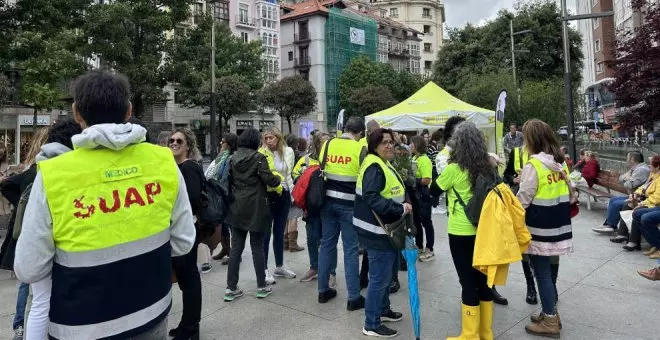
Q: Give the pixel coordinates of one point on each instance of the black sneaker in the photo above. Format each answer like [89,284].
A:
[381,332]
[394,287]
[327,295]
[391,316]
[355,304]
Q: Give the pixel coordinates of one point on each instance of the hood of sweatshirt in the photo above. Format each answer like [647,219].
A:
[51,150]
[109,136]
[549,161]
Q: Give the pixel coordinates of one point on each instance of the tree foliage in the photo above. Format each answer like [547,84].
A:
[291,97]
[362,72]
[637,65]
[370,99]
[487,49]
[5,90]
[231,93]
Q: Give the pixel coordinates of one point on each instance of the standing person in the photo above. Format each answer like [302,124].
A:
[79,208]
[513,139]
[12,188]
[183,144]
[341,171]
[423,169]
[379,191]
[546,196]
[442,159]
[280,157]
[291,235]
[434,146]
[249,212]
[163,138]
[468,160]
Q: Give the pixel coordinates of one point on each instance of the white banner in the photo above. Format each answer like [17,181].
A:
[357,36]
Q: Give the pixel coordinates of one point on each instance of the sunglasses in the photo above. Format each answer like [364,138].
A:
[177,140]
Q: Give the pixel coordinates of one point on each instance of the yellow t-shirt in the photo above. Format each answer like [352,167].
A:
[424,167]
[453,177]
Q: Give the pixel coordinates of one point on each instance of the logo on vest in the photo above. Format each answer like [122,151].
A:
[338,159]
[132,197]
[554,177]
[117,174]
[396,191]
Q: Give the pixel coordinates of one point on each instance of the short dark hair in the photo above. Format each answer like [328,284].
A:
[250,138]
[62,131]
[232,140]
[636,156]
[354,125]
[437,135]
[136,121]
[375,137]
[291,141]
[420,144]
[102,97]
[424,132]
[450,125]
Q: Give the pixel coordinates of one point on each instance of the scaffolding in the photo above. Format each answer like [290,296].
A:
[347,35]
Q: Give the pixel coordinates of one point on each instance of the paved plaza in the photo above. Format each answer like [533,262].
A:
[601,297]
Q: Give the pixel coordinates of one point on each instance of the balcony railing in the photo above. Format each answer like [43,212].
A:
[427,16]
[395,51]
[300,37]
[302,62]
[246,21]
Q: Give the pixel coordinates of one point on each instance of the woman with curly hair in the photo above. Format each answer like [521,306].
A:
[468,160]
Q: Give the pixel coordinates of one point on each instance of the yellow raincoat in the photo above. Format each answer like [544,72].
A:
[502,236]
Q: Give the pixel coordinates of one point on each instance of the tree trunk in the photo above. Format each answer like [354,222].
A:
[34,120]
[288,120]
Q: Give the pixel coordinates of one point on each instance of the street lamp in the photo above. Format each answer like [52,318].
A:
[212,104]
[567,68]
[513,55]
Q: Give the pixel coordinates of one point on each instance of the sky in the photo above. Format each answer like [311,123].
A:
[459,12]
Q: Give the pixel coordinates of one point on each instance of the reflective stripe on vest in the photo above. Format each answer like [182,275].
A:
[111,213]
[548,215]
[372,228]
[341,168]
[518,161]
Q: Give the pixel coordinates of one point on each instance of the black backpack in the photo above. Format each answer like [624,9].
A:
[214,200]
[479,193]
[315,195]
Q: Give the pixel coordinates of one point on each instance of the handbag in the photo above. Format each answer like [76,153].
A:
[397,231]
[315,193]
[574,202]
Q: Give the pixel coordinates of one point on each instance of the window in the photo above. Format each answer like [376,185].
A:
[597,45]
[413,66]
[427,65]
[221,10]
[599,68]
[596,22]
[290,55]
[382,58]
[245,37]
[382,42]
[427,29]
[243,13]
[427,47]
[426,13]
[304,75]
[394,12]
[414,49]
[198,12]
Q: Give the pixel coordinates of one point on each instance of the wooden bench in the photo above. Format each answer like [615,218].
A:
[606,179]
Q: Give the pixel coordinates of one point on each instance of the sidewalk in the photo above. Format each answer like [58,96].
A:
[601,297]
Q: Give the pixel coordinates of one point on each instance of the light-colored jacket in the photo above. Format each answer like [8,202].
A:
[635,177]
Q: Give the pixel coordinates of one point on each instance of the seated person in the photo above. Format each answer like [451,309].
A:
[591,168]
[580,163]
[633,179]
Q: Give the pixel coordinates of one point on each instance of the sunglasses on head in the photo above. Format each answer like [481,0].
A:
[177,140]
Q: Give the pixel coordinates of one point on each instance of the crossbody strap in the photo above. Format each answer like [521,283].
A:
[324,157]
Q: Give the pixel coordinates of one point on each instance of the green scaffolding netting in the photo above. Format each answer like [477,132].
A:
[341,48]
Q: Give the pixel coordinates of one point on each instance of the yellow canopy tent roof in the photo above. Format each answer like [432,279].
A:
[430,108]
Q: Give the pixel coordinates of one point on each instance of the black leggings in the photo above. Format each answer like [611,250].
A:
[473,282]
[423,222]
[191,288]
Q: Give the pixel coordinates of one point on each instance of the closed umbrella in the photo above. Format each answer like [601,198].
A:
[410,254]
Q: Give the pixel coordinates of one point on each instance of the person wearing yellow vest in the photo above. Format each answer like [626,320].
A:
[423,169]
[379,191]
[468,160]
[341,172]
[104,221]
[545,194]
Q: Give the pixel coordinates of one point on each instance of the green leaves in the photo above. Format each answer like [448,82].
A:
[369,99]
[291,97]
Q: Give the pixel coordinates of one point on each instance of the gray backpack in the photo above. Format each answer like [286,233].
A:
[20,211]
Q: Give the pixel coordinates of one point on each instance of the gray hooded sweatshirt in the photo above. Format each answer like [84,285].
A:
[35,249]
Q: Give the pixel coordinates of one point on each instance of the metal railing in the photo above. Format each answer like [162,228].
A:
[302,62]
[245,21]
[301,37]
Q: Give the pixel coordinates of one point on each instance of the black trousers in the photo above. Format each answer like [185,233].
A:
[473,282]
[238,237]
[191,288]
[422,211]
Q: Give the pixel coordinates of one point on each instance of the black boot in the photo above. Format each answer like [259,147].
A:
[186,333]
[554,271]
[531,287]
[499,299]
[394,286]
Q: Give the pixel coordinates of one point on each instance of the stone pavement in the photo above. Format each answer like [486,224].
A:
[601,297]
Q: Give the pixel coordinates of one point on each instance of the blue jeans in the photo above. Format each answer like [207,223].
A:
[21,302]
[613,209]
[336,218]
[279,210]
[313,227]
[649,226]
[543,274]
[378,291]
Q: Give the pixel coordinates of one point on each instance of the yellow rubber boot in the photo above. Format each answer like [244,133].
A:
[486,320]
[470,323]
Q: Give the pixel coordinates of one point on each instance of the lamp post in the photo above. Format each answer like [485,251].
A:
[567,69]
[513,55]
[212,123]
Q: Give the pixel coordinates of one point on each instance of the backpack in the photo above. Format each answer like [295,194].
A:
[480,191]
[315,193]
[20,211]
[299,192]
[215,199]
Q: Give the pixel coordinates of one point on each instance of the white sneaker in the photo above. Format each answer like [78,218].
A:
[332,282]
[604,229]
[428,256]
[270,280]
[18,333]
[284,272]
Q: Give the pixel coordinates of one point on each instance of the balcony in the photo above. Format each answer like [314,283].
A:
[246,22]
[427,16]
[301,37]
[304,62]
[395,51]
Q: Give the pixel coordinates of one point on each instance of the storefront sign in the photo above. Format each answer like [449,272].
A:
[242,124]
[266,123]
[28,120]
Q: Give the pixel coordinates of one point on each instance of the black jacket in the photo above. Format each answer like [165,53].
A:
[250,206]
[11,189]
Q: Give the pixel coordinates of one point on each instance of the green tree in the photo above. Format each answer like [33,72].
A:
[5,89]
[230,94]
[129,36]
[291,97]
[369,99]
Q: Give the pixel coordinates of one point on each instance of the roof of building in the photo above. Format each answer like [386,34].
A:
[308,7]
